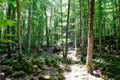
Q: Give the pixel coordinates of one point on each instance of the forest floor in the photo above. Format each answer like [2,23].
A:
[78,71]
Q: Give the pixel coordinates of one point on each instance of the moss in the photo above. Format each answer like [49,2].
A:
[61,76]
[68,68]
[18,74]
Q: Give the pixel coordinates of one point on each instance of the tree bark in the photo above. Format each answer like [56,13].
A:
[68,16]
[18,29]
[29,26]
[90,38]
[8,32]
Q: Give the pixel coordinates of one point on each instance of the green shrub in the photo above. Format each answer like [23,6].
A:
[39,60]
[48,61]
[18,74]
[17,66]
[27,66]
[61,76]
[5,69]
[41,66]
[68,68]
[6,61]
[117,77]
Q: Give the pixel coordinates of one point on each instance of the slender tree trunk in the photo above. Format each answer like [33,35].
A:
[8,32]
[19,33]
[90,38]
[29,26]
[68,16]
[62,29]
[100,27]
[47,31]
[82,26]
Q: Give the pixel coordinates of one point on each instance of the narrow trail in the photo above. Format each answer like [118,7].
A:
[78,71]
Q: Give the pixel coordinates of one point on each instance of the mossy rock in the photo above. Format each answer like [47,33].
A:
[18,74]
[67,68]
[27,66]
[61,76]
[6,61]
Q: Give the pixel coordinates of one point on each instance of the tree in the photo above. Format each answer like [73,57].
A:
[68,16]
[18,29]
[8,32]
[90,38]
[29,26]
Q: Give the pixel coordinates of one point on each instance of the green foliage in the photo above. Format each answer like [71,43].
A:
[39,60]
[6,61]
[5,69]
[68,68]
[27,66]
[17,66]
[2,1]
[7,22]
[61,76]
[18,74]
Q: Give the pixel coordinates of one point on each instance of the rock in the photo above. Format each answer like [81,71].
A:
[99,71]
[2,76]
[57,49]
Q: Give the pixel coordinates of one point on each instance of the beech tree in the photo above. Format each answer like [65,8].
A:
[90,38]
[18,29]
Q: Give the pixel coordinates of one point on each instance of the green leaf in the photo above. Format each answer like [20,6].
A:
[5,23]
[2,1]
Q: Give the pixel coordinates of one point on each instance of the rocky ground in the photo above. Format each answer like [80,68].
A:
[78,71]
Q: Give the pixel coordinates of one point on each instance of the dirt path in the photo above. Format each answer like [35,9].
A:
[78,72]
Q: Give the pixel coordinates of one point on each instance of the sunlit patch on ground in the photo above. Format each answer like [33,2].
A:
[78,71]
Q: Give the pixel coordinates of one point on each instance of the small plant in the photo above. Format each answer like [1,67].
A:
[27,66]
[17,66]
[6,61]
[5,69]
[68,68]
[18,74]
[61,76]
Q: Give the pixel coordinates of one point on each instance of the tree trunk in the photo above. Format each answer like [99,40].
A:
[47,31]
[62,29]
[19,33]
[8,32]
[90,38]
[29,26]
[68,16]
